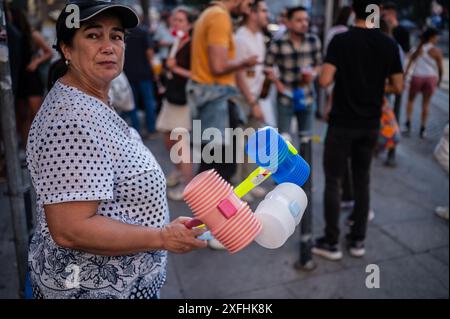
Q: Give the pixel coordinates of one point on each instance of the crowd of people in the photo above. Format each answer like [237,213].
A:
[101,193]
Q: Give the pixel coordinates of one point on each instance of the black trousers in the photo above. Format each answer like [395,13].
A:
[347,183]
[341,145]
[226,170]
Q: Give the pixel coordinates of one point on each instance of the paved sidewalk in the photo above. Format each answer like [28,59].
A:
[446,75]
[406,240]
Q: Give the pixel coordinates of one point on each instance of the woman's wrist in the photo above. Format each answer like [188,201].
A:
[253,103]
[155,239]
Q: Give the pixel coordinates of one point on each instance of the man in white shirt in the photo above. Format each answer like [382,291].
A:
[250,41]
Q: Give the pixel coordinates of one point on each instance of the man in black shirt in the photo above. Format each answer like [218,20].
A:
[359,62]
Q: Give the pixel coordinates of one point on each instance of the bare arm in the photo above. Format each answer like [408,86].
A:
[171,64]
[37,37]
[221,65]
[243,87]
[76,225]
[47,52]
[395,84]
[270,73]
[183,72]
[251,100]
[436,54]
[327,74]
[413,57]
[408,66]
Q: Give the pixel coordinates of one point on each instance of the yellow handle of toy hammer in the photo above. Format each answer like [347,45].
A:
[254,179]
[258,177]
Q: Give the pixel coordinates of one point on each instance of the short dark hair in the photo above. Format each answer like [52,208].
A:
[360,6]
[294,10]
[389,5]
[428,34]
[255,3]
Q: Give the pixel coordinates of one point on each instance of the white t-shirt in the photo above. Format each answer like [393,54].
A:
[247,45]
[426,65]
[79,149]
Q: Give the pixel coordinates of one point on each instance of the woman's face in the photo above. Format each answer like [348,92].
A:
[181,22]
[97,51]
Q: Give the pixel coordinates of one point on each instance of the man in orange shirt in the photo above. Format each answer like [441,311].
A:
[214,68]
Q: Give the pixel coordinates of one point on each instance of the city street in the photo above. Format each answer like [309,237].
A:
[406,240]
[80,81]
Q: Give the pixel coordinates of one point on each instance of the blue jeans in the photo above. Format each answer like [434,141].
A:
[209,104]
[305,119]
[143,92]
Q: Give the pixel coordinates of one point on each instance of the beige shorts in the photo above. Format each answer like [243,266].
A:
[173,117]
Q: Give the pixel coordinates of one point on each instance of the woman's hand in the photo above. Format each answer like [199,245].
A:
[32,66]
[177,238]
[326,112]
[257,112]
[249,62]
[270,73]
[171,63]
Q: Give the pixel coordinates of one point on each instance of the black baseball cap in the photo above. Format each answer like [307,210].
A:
[90,8]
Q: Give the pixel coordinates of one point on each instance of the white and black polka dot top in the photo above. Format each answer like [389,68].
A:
[79,149]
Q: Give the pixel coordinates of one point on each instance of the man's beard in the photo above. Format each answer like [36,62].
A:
[235,15]
[299,34]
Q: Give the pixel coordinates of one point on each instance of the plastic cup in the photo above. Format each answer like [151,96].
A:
[299,99]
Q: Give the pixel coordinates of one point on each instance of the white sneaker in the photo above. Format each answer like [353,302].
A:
[442,212]
[356,248]
[325,250]
[215,244]
[371,215]
[176,193]
[173,179]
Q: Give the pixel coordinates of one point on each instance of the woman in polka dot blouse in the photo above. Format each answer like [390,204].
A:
[102,228]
